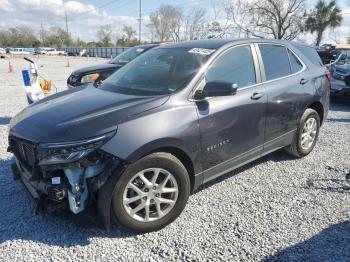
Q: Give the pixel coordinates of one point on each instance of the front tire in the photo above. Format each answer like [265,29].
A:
[306,135]
[151,193]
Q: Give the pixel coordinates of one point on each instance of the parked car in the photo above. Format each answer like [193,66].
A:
[172,119]
[30,50]
[55,52]
[83,53]
[20,51]
[9,50]
[40,51]
[96,74]
[328,54]
[72,53]
[340,70]
[2,51]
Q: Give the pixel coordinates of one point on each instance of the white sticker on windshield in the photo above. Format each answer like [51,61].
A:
[56,180]
[202,51]
[139,50]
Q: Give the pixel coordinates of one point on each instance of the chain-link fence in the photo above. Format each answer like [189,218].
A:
[105,52]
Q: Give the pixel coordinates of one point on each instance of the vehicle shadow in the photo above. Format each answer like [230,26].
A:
[19,222]
[331,244]
[4,121]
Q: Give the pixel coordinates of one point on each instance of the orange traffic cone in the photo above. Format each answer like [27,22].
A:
[11,68]
[68,64]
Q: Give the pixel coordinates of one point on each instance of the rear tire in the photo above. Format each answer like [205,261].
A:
[305,140]
[141,188]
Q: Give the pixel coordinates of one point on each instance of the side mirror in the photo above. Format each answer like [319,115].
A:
[216,88]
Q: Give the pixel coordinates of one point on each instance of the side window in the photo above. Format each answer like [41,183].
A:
[235,66]
[275,59]
[295,63]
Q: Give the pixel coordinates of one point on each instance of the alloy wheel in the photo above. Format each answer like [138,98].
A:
[309,133]
[150,194]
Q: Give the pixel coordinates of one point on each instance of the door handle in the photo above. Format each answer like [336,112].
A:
[303,81]
[257,96]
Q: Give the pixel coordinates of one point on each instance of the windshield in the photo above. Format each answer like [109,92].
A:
[128,55]
[159,71]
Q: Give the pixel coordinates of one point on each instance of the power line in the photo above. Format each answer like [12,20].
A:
[120,6]
[181,4]
[150,10]
[97,8]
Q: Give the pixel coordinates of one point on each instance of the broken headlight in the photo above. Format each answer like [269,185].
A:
[66,152]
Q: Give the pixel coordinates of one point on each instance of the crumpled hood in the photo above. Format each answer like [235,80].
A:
[97,68]
[78,114]
[345,69]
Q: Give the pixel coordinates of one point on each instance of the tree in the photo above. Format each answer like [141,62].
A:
[325,15]
[57,37]
[151,28]
[129,32]
[167,21]
[215,30]
[104,34]
[279,19]
[21,36]
[194,23]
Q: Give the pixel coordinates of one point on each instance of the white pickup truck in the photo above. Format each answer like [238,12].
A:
[20,51]
[55,52]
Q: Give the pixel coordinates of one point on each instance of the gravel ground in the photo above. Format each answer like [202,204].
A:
[276,208]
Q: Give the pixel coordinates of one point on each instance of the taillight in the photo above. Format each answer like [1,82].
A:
[328,75]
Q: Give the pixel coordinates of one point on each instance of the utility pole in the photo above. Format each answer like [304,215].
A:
[41,31]
[41,25]
[140,20]
[65,13]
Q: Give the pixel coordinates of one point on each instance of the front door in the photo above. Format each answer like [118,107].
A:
[232,127]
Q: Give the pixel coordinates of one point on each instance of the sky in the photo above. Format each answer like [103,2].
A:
[85,16]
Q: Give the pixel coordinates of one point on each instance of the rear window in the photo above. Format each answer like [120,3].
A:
[311,54]
[276,61]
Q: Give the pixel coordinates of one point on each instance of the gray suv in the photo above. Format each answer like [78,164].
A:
[164,124]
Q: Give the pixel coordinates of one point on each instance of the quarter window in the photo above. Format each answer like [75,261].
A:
[295,63]
[235,66]
[275,59]
[310,54]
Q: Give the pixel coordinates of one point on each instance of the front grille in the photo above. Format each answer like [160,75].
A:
[25,152]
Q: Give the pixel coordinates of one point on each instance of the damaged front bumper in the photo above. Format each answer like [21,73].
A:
[61,186]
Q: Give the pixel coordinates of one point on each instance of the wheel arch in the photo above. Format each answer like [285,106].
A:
[171,146]
[184,159]
[318,107]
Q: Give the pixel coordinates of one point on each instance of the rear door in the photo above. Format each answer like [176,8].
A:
[286,81]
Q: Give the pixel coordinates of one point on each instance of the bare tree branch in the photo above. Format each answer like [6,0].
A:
[281,19]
